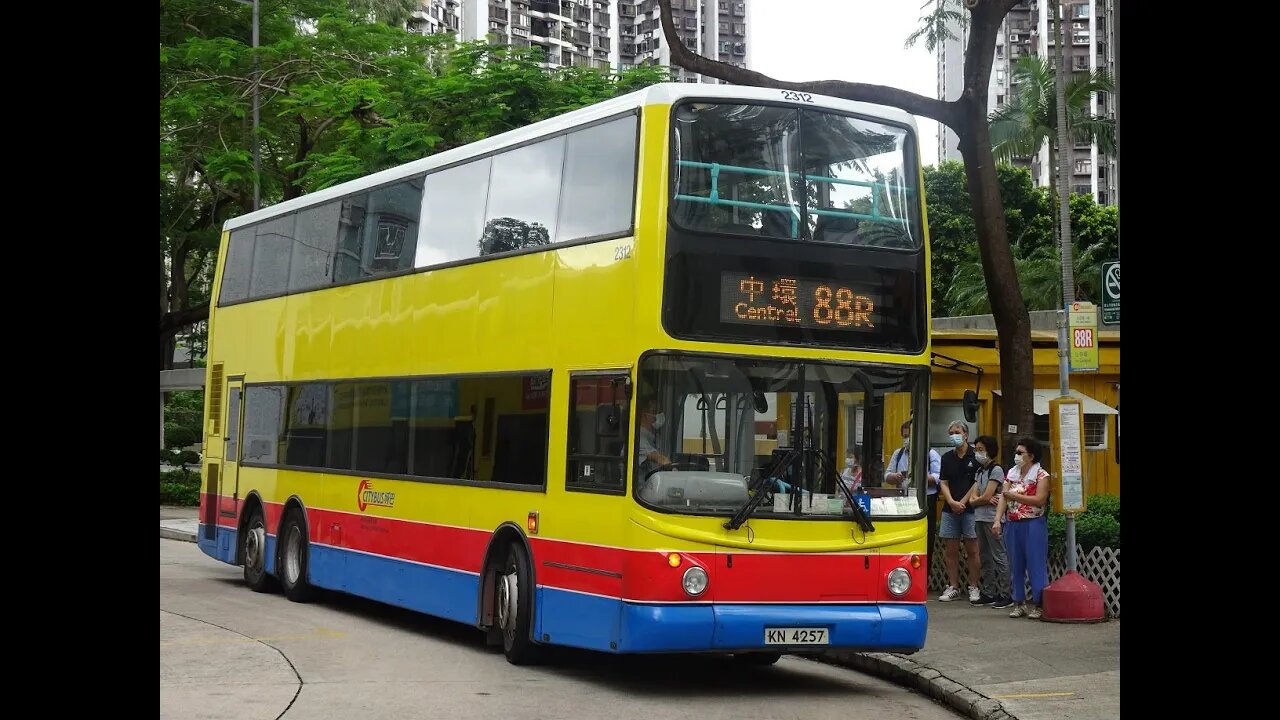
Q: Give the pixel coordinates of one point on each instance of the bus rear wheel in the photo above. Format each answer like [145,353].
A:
[253,548]
[295,553]
[514,605]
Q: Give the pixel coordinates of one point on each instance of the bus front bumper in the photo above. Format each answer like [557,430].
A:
[888,627]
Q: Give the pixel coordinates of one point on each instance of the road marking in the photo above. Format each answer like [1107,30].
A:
[317,634]
[1034,695]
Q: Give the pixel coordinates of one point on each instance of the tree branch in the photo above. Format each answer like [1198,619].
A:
[943,112]
[171,322]
[985,20]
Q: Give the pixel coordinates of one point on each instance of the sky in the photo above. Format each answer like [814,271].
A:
[854,40]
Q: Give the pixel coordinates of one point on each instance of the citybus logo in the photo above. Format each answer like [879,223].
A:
[366,496]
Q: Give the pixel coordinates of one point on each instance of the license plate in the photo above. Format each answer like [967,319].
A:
[796,636]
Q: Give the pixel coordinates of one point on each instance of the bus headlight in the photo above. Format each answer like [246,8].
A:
[695,581]
[899,581]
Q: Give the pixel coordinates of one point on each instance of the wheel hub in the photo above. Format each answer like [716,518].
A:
[255,545]
[508,600]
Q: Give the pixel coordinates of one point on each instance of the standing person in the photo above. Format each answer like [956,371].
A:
[984,497]
[1021,513]
[898,473]
[959,469]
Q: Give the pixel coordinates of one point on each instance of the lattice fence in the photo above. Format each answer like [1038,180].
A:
[1101,565]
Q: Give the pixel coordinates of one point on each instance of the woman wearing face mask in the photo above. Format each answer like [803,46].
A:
[852,474]
[984,497]
[1020,515]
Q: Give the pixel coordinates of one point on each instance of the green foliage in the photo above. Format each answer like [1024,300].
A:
[954,237]
[1098,526]
[1030,118]
[178,436]
[936,21]
[959,287]
[179,487]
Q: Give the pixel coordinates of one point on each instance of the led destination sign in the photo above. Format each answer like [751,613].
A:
[789,301]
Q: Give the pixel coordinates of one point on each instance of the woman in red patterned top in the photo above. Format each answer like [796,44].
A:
[1026,531]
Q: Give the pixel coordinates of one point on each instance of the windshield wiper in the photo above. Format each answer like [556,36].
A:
[768,477]
[860,516]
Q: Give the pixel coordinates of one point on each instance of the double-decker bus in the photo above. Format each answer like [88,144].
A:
[592,382]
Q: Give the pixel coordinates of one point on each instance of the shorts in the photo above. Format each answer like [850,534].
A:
[953,526]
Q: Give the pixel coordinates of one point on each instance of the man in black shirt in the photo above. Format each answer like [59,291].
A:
[958,470]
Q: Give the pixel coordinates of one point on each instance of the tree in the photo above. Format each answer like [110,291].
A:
[1030,119]
[953,237]
[967,117]
[342,96]
[1095,237]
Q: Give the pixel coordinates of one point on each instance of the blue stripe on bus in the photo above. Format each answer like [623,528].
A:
[449,594]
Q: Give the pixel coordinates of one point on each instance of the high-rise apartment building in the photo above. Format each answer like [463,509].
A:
[1028,30]
[605,34]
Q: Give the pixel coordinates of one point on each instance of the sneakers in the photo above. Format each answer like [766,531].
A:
[1018,611]
[1002,602]
[974,595]
[1034,612]
[983,599]
[951,593]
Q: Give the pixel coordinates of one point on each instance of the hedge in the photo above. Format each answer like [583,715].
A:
[178,487]
[1098,526]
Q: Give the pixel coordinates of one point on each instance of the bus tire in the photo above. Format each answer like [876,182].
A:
[253,550]
[757,659]
[295,553]
[513,606]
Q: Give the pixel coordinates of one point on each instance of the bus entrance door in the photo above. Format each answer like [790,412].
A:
[229,481]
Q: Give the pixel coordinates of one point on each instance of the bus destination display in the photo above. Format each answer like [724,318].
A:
[780,301]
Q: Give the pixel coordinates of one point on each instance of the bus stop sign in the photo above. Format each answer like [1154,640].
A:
[1111,293]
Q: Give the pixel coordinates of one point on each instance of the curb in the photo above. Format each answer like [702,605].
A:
[924,679]
[171,534]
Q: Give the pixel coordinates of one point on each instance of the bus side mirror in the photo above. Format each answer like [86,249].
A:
[970,405]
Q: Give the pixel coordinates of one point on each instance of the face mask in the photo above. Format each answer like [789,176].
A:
[981,457]
[1017,457]
[957,439]
[659,420]
[906,442]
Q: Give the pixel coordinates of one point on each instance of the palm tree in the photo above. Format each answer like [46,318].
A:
[1019,128]
[1039,278]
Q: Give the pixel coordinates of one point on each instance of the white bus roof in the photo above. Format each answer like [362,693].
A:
[660,94]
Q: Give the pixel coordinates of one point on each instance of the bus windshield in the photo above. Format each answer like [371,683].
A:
[784,172]
[712,431]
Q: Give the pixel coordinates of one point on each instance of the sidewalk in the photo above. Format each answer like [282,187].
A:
[179,523]
[989,666]
[976,660]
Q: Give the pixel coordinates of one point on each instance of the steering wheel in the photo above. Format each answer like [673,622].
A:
[673,466]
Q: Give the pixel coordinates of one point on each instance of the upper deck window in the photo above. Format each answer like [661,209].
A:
[789,173]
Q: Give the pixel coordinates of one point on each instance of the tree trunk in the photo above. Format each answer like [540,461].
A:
[1013,323]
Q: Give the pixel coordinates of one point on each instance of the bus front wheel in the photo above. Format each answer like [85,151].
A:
[514,606]
[295,552]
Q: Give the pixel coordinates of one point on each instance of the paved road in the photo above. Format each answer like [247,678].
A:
[227,652]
